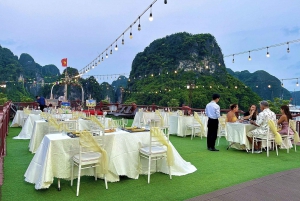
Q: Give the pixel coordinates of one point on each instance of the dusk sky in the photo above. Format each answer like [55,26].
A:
[81,30]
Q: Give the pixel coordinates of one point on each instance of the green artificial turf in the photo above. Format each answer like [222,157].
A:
[216,170]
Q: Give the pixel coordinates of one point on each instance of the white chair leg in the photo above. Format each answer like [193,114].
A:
[149,168]
[72,173]
[170,172]
[218,140]
[78,182]
[267,148]
[295,145]
[58,184]
[105,182]
[276,149]
[252,145]
[95,173]
[192,133]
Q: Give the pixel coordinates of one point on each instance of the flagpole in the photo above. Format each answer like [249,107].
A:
[66,86]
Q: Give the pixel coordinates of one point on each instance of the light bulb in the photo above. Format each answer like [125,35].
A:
[111,51]
[123,42]
[297,84]
[166,2]
[288,50]
[219,64]
[106,55]
[130,35]
[249,58]
[282,84]
[116,47]
[139,27]
[151,17]
[102,58]
[99,60]
[206,66]
[268,55]
[269,86]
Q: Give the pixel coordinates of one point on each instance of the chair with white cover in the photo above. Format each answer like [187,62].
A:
[96,126]
[222,132]
[26,113]
[162,123]
[274,139]
[91,155]
[288,138]
[158,148]
[196,125]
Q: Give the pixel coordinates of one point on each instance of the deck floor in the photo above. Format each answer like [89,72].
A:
[279,186]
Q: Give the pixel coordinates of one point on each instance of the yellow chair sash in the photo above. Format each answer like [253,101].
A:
[180,112]
[273,128]
[160,116]
[293,127]
[26,111]
[86,140]
[95,120]
[196,116]
[157,133]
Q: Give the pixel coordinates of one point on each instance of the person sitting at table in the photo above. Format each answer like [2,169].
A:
[251,113]
[262,125]
[284,121]
[231,117]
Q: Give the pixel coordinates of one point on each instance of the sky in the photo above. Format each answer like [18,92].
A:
[81,30]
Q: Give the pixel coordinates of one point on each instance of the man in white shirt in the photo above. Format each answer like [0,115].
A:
[262,125]
[212,110]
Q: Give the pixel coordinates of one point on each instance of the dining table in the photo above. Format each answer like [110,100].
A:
[41,128]
[53,159]
[20,117]
[178,124]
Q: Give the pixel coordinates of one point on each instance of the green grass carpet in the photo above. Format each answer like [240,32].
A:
[216,170]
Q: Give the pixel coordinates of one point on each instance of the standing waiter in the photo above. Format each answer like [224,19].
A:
[41,101]
[212,110]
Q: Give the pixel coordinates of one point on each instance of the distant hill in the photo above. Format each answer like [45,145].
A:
[261,82]
[295,98]
[164,69]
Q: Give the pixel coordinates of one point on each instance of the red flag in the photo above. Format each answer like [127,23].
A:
[64,62]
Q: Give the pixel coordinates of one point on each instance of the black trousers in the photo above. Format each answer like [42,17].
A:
[212,132]
[42,107]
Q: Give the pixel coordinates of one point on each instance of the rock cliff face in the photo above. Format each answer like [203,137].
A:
[186,67]
[199,53]
[264,84]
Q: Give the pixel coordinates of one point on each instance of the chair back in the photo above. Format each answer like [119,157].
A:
[198,120]
[157,136]
[89,144]
[273,128]
[292,125]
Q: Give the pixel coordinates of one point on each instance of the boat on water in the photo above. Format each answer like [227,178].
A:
[294,109]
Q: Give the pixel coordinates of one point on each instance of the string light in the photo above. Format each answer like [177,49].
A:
[233,58]
[139,26]
[249,58]
[130,32]
[110,49]
[268,55]
[123,40]
[116,47]
[288,48]
[151,17]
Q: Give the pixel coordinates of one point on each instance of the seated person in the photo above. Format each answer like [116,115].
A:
[262,125]
[186,110]
[231,117]
[251,114]
[284,121]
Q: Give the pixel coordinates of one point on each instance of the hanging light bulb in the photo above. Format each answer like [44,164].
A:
[268,55]
[297,84]
[269,86]
[102,57]
[282,83]
[151,17]
[130,36]
[288,48]
[233,58]
[123,40]
[110,49]
[139,26]
[106,54]
[219,64]
[99,60]
[116,47]
[175,71]
[249,58]
[166,2]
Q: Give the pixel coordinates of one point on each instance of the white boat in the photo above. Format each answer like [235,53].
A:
[294,109]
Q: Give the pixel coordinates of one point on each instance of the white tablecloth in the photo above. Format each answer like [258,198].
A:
[40,129]
[141,118]
[236,135]
[26,131]
[54,155]
[182,122]
[18,119]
